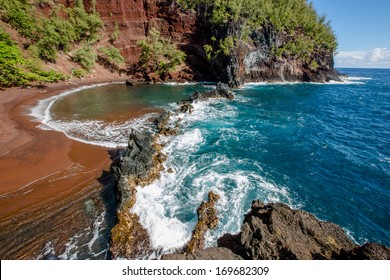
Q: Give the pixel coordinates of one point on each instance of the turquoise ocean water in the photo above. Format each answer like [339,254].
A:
[324,148]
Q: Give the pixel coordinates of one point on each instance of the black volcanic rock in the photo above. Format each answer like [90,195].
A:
[140,164]
[221,91]
[369,251]
[274,231]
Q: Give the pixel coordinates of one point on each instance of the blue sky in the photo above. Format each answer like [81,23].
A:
[363,31]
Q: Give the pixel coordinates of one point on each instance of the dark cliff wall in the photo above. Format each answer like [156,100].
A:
[253,59]
[250,60]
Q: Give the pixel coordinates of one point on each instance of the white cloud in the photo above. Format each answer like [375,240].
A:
[376,58]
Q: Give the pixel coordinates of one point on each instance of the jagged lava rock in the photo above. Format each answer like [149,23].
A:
[140,164]
[207,219]
[221,91]
[368,251]
[274,231]
[163,124]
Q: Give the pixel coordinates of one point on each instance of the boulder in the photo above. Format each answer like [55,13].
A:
[275,231]
[221,91]
[369,251]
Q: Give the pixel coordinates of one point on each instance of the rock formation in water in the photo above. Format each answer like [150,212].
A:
[207,219]
[274,231]
[221,91]
[140,164]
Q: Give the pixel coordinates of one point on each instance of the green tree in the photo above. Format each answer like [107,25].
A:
[85,56]
[111,54]
[159,54]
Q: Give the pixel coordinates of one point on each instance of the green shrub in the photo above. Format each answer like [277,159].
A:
[111,54]
[20,15]
[85,56]
[78,73]
[56,33]
[46,37]
[10,59]
[115,34]
[4,37]
[17,71]
[159,54]
[303,30]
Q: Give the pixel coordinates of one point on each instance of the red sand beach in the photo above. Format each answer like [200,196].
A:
[41,174]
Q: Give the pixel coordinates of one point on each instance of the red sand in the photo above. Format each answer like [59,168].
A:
[40,168]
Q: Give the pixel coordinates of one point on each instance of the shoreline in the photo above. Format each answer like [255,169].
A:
[42,172]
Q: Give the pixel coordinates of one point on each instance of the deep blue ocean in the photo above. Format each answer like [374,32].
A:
[323,148]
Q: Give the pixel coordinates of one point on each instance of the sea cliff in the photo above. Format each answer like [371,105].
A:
[235,43]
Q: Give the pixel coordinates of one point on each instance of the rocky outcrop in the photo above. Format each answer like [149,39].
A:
[140,164]
[207,219]
[276,232]
[221,91]
[369,251]
[253,59]
[164,126]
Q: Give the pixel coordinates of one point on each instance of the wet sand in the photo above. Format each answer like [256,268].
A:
[42,173]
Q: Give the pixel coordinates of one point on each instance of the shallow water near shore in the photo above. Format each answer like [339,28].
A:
[323,148]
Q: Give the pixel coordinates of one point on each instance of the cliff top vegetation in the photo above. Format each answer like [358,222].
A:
[296,20]
[48,28]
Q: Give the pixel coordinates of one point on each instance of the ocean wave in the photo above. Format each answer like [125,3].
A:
[94,132]
[166,231]
[180,83]
[344,81]
[110,135]
[357,78]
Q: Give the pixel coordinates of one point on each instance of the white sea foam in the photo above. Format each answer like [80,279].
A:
[179,84]
[344,81]
[95,132]
[166,232]
[357,78]
[111,135]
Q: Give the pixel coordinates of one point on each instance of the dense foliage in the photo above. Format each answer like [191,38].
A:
[15,70]
[85,56]
[59,29]
[64,27]
[303,29]
[111,54]
[159,54]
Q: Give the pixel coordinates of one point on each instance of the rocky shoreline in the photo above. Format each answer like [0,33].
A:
[269,231]
[276,232]
[140,165]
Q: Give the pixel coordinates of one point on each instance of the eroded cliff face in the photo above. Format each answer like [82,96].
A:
[250,60]
[253,59]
